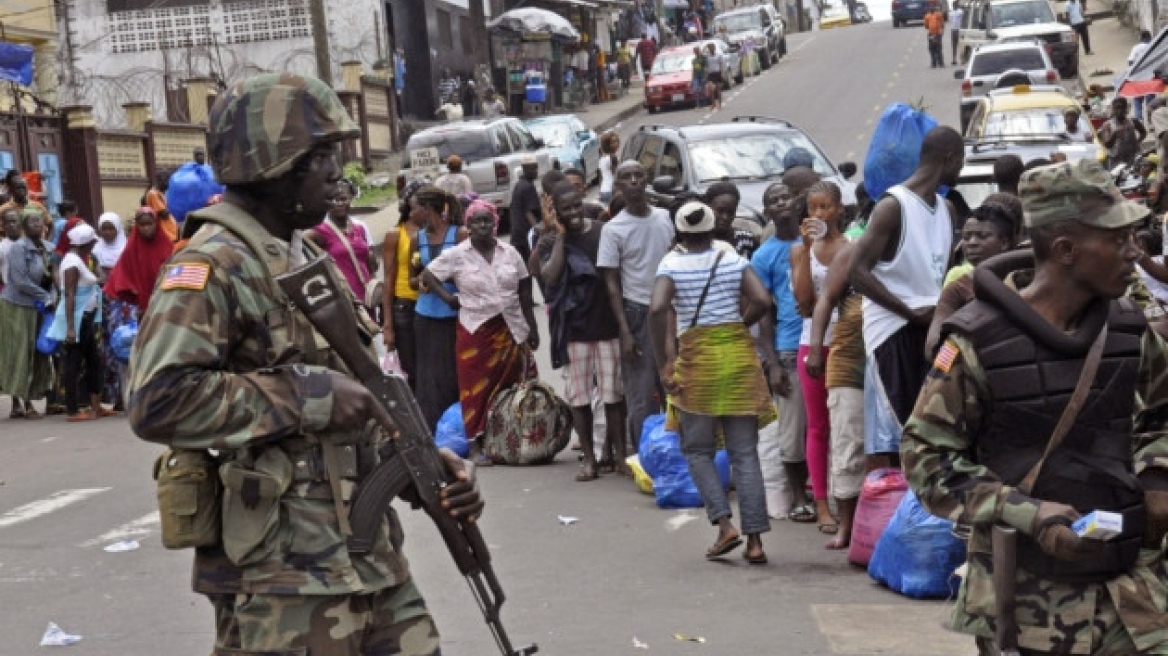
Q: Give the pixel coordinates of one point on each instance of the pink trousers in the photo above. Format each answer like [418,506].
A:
[818,424]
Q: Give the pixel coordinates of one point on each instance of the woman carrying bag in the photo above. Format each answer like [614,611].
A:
[712,373]
[76,325]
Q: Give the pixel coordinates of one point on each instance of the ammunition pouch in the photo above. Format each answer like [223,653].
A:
[188,498]
[251,505]
[1117,556]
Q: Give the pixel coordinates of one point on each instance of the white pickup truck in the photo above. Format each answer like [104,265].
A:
[491,151]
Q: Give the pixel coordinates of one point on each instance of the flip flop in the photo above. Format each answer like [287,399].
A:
[838,543]
[33,414]
[107,413]
[80,416]
[724,546]
[829,529]
[803,514]
[760,559]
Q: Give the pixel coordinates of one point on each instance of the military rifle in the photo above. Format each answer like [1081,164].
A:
[1005,556]
[410,461]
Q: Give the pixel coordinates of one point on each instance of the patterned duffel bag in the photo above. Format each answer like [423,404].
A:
[527,424]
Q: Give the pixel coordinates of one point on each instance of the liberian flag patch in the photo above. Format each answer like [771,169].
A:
[185,276]
[946,357]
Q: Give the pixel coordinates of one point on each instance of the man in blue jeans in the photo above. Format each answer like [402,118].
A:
[631,246]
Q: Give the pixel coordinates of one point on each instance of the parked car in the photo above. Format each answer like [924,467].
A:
[997,21]
[904,11]
[748,151]
[1027,121]
[761,23]
[997,64]
[574,144]
[491,151]
[670,82]
[834,16]
[862,14]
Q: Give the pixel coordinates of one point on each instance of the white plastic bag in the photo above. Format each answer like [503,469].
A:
[391,364]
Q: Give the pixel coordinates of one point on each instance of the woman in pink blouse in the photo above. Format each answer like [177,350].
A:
[496,322]
[346,240]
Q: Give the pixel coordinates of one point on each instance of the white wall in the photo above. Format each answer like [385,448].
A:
[117,58]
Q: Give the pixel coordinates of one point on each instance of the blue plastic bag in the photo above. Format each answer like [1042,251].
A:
[46,345]
[917,553]
[451,433]
[895,148]
[123,340]
[661,458]
[190,188]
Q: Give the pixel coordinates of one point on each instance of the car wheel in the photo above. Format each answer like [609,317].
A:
[738,78]
[653,109]
[764,59]
[783,48]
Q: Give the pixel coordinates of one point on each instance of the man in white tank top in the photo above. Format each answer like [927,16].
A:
[899,265]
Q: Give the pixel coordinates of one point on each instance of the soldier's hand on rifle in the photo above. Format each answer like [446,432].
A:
[1052,530]
[461,498]
[354,405]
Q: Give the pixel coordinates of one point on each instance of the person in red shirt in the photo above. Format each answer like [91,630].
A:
[646,52]
[935,25]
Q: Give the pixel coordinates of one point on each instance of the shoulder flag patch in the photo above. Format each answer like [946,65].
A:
[946,356]
[185,276]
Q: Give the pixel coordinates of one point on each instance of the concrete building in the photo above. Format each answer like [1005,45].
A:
[436,35]
[115,52]
[34,23]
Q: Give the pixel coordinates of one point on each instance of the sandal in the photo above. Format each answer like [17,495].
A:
[107,413]
[804,514]
[80,416]
[724,546]
[756,559]
[838,543]
[587,473]
[829,529]
[33,414]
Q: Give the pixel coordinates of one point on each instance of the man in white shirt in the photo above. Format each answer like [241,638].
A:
[955,17]
[631,246]
[898,267]
[1078,22]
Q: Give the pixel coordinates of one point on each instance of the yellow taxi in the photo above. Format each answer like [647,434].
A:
[1029,121]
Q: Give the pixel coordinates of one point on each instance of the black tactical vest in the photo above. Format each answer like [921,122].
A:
[1032,369]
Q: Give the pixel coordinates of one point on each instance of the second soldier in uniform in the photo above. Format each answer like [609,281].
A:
[991,404]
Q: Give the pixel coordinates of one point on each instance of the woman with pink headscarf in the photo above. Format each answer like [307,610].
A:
[496,323]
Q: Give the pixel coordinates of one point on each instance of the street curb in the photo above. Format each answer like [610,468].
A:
[623,114]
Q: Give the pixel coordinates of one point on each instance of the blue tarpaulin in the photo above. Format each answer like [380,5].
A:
[16,63]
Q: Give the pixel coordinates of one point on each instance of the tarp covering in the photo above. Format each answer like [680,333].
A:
[1146,75]
[530,21]
[16,63]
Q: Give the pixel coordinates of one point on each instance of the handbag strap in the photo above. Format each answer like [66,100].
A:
[706,289]
[348,247]
[1071,412]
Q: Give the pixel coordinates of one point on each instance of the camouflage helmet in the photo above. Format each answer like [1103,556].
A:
[263,125]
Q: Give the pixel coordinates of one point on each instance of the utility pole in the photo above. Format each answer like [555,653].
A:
[478,24]
[320,41]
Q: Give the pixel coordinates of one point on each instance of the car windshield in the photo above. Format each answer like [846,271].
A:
[554,135]
[673,63]
[1042,123]
[1020,13]
[469,145]
[751,156]
[737,22]
[993,63]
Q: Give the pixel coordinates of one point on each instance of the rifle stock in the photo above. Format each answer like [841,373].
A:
[410,460]
[1005,555]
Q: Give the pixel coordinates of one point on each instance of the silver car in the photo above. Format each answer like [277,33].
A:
[998,65]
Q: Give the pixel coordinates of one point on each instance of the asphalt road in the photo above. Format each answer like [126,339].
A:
[625,570]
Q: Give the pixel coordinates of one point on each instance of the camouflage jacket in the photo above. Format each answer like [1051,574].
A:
[937,449]
[222,362]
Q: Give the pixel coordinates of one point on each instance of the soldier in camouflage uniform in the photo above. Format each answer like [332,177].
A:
[224,362]
[990,404]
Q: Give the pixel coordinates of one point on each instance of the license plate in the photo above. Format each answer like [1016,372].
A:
[678,97]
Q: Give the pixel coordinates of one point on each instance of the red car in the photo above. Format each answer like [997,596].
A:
[670,82]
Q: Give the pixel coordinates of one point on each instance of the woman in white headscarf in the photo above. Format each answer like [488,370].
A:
[110,244]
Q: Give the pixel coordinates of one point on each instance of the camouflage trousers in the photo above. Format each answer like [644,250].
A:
[1109,637]
[391,622]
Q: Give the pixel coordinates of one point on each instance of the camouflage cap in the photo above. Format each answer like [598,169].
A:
[1083,191]
[264,124]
